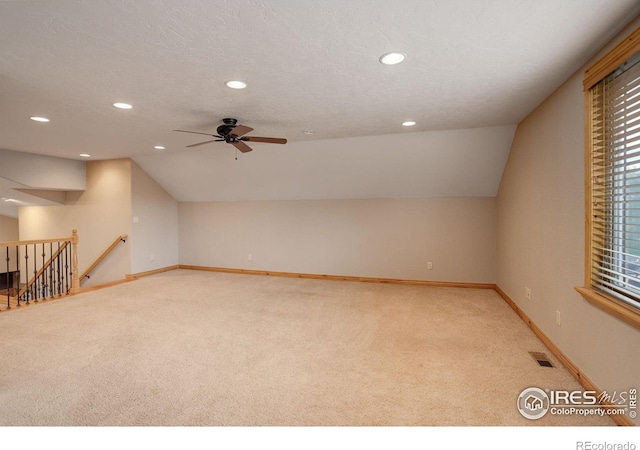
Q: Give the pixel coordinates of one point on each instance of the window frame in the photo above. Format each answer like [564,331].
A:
[622,52]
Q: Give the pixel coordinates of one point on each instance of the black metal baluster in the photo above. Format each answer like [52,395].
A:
[8,296]
[52,273]
[43,278]
[17,270]
[32,281]
[34,285]
[60,275]
[26,272]
[71,257]
[58,267]
[52,286]
[43,275]
[66,267]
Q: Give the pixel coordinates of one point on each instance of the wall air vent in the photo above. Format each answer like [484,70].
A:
[541,358]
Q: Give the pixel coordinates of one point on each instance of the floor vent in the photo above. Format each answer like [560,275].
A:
[541,358]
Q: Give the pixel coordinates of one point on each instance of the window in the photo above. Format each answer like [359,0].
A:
[612,272]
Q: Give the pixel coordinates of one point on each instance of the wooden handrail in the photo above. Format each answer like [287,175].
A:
[43,268]
[86,273]
[34,241]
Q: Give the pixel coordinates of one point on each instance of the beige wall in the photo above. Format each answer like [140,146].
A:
[374,238]
[8,229]
[541,241]
[154,239]
[100,214]
[8,232]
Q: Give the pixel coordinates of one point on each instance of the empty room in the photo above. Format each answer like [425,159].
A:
[325,213]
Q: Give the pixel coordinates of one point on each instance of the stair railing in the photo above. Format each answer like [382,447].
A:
[86,274]
[51,263]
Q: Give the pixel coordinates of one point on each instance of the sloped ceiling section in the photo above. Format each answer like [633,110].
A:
[36,180]
[452,163]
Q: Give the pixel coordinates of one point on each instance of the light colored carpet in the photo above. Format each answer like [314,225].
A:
[201,348]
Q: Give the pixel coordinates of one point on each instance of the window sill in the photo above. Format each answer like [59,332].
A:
[610,305]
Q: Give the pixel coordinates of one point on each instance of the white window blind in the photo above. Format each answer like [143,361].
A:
[615,192]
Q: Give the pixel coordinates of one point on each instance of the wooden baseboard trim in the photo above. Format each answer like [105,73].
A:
[341,277]
[102,286]
[580,376]
[135,276]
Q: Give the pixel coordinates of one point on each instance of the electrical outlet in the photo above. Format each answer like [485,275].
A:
[250,257]
[151,257]
[429,265]
[527,293]
[558,322]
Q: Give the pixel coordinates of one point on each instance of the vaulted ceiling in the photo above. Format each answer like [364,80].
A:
[309,66]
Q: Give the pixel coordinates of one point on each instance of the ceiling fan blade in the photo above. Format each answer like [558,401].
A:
[196,132]
[240,130]
[268,140]
[201,143]
[244,148]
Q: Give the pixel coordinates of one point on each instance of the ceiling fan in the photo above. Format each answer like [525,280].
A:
[234,134]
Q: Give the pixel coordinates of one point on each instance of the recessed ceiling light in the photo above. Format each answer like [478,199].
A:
[408,123]
[39,119]
[11,200]
[122,105]
[309,132]
[159,147]
[85,155]
[236,84]
[392,58]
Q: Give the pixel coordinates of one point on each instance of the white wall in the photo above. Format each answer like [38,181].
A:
[154,239]
[541,241]
[8,229]
[392,238]
[100,214]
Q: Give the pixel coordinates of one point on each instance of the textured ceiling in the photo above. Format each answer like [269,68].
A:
[309,65]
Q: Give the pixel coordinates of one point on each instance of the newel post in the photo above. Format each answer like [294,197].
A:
[75,277]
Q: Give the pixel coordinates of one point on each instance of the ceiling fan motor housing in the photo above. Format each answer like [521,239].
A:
[229,125]
[224,130]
